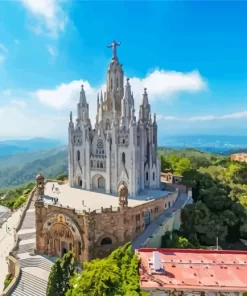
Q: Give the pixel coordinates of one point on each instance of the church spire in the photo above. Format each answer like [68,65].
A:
[145,98]
[83,99]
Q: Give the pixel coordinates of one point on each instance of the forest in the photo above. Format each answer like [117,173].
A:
[219,189]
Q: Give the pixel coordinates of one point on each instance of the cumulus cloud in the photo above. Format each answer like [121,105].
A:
[20,122]
[160,84]
[49,15]
[237,115]
[19,103]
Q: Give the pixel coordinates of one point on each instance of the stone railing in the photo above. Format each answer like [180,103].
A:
[15,270]
[13,263]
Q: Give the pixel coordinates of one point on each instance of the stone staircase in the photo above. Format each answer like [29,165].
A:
[35,269]
[39,262]
[30,285]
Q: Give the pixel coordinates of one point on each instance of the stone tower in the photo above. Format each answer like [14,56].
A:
[119,149]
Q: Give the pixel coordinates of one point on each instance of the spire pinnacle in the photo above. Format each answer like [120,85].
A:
[82,96]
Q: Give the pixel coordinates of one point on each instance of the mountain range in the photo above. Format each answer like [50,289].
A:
[21,160]
[11,147]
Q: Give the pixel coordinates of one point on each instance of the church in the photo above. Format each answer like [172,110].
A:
[119,149]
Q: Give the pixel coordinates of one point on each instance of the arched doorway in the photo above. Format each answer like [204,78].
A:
[79,182]
[101,183]
[64,248]
[98,183]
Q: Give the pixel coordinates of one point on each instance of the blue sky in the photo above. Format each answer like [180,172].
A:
[191,56]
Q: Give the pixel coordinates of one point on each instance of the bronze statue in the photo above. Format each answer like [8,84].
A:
[114,48]
[123,195]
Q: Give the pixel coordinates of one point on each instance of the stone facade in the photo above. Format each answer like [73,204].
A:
[119,148]
[92,234]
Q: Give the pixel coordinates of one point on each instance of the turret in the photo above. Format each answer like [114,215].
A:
[114,81]
[82,107]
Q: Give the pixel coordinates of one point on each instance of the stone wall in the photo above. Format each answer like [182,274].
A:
[114,225]
[13,264]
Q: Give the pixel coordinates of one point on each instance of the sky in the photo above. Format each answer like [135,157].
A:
[190,55]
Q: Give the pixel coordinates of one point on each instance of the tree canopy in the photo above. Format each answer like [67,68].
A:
[115,275]
[61,272]
[219,193]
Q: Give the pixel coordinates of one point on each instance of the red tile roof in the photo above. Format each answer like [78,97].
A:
[199,270]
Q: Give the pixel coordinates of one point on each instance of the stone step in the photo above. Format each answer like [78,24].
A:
[25,236]
[36,262]
[30,285]
[27,248]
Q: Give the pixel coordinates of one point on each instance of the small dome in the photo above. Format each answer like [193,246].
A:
[40,177]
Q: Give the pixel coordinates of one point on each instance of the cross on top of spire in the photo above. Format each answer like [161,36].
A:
[114,45]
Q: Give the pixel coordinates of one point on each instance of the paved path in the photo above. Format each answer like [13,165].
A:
[180,203]
[7,242]
[35,269]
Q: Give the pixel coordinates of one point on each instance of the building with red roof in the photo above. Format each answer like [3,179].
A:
[191,272]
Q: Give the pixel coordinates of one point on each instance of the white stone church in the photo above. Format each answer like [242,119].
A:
[120,148]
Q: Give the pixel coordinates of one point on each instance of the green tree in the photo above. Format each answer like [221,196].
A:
[61,272]
[115,275]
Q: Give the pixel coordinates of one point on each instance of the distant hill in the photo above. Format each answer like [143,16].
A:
[11,147]
[22,168]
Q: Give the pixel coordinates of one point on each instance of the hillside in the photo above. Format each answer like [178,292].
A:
[22,168]
[11,147]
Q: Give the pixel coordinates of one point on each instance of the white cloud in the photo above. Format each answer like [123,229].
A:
[160,84]
[51,50]
[19,103]
[22,122]
[238,115]
[49,14]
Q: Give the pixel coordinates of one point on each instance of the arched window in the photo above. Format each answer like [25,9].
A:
[106,241]
[101,165]
[97,164]
[111,84]
[153,176]
[91,163]
[100,147]
[117,83]
[78,155]
[123,157]
[146,176]
[123,141]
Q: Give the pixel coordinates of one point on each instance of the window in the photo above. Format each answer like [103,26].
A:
[97,164]
[111,84]
[100,147]
[153,176]
[78,155]
[91,163]
[106,241]
[146,176]
[123,158]
[101,165]
[79,248]
[123,141]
